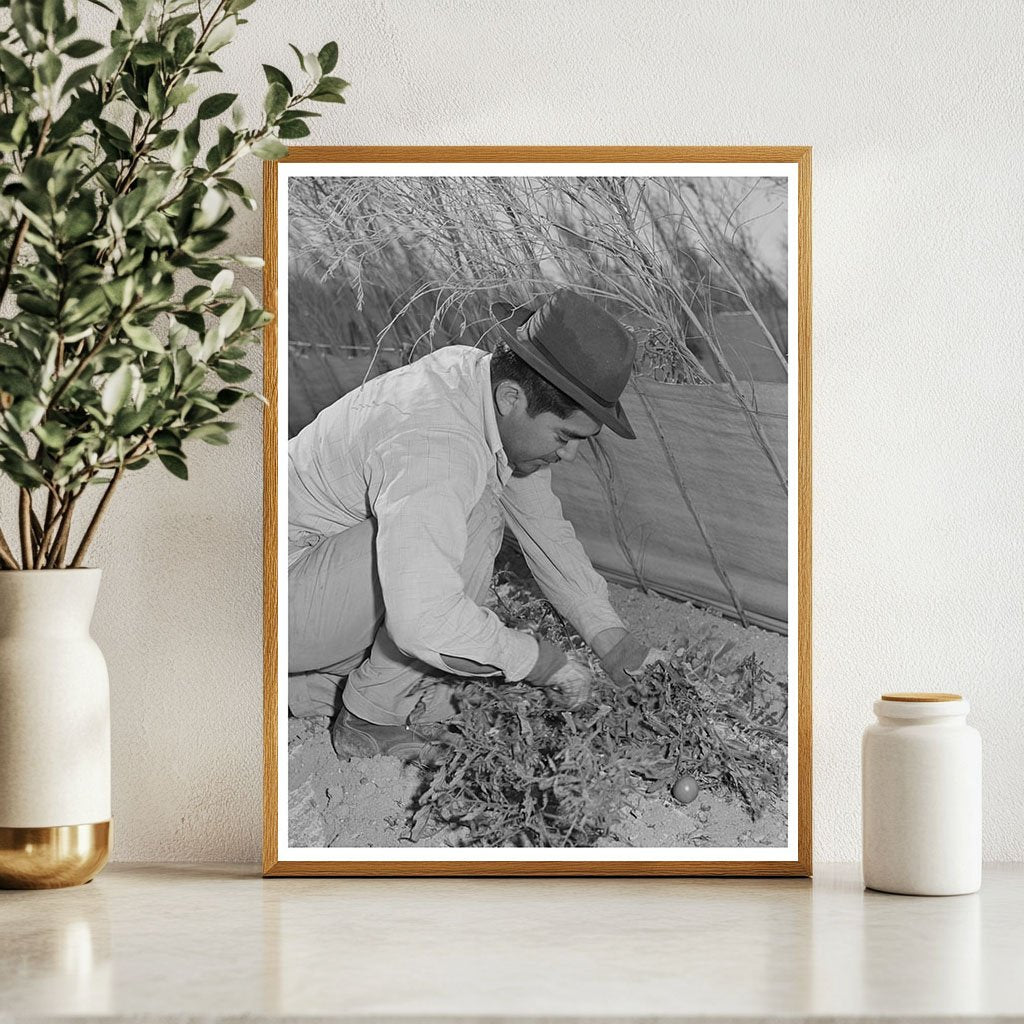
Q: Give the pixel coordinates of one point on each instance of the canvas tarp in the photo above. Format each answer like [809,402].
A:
[733,490]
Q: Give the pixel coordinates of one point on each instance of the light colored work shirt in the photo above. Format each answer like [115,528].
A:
[418,449]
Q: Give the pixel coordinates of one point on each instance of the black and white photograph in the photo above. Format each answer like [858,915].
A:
[537,513]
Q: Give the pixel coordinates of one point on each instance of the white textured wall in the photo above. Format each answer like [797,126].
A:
[914,113]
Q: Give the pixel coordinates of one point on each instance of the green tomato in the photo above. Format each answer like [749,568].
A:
[685,789]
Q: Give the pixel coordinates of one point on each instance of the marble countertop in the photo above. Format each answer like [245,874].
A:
[180,941]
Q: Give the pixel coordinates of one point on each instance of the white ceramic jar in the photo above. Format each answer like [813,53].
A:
[921,789]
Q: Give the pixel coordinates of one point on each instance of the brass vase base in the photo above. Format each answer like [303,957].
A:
[54,857]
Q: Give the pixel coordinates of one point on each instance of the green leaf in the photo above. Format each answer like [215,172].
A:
[277,77]
[116,133]
[276,100]
[323,96]
[195,296]
[214,105]
[175,464]
[181,94]
[119,291]
[21,471]
[293,130]
[234,6]
[53,435]
[128,421]
[129,207]
[232,319]
[109,65]
[134,13]
[232,373]
[334,84]
[255,262]
[53,15]
[12,356]
[143,338]
[168,441]
[159,231]
[211,433]
[16,70]
[65,30]
[184,150]
[156,100]
[193,321]
[222,282]
[83,48]
[184,44]
[49,68]
[26,413]
[28,25]
[227,397]
[38,305]
[221,35]
[328,57]
[164,376]
[211,209]
[149,53]
[193,379]
[163,139]
[116,390]
[11,442]
[310,64]
[269,149]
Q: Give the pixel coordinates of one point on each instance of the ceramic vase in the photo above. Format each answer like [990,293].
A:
[54,731]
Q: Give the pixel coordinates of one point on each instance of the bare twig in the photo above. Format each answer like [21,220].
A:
[25,522]
[6,554]
[56,557]
[94,523]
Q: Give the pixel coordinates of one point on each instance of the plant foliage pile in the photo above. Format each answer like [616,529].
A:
[523,771]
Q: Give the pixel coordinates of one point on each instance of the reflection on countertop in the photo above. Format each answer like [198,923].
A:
[181,940]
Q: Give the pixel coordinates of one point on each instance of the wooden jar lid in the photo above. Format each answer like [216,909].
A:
[921,698]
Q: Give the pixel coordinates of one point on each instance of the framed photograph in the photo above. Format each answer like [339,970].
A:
[538,511]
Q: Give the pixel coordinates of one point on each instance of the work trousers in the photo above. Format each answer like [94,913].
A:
[336,628]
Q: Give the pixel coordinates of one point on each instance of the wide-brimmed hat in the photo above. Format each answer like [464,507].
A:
[575,345]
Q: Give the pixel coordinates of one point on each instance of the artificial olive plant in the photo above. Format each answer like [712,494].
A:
[123,333]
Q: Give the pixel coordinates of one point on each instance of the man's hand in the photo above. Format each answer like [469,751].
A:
[628,659]
[571,683]
[655,656]
[554,671]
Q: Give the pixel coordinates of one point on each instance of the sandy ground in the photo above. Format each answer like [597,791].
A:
[366,802]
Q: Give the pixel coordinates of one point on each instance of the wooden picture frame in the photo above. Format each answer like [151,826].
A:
[790,164]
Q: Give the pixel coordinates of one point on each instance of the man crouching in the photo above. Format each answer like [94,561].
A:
[398,497]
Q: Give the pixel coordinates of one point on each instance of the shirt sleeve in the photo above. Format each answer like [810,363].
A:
[422,487]
[556,558]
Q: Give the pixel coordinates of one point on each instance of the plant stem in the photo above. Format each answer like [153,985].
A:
[54,508]
[25,522]
[6,555]
[90,531]
[51,510]
[56,555]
